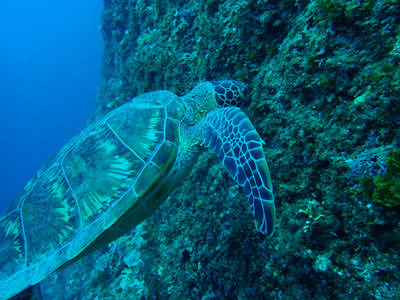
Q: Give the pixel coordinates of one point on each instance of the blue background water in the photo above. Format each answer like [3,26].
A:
[50,56]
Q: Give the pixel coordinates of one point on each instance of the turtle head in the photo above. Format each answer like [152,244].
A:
[231,93]
[210,95]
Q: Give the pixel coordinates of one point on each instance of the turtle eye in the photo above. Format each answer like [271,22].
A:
[231,93]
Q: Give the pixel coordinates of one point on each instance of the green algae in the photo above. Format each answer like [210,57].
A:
[385,189]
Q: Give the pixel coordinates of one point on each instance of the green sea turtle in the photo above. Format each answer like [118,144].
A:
[120,169]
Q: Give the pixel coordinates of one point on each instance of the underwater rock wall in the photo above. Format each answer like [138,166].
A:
[325,87]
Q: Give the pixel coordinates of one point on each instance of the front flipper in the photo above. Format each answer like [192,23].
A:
[230,134]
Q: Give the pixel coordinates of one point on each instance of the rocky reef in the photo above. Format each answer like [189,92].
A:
[325,86]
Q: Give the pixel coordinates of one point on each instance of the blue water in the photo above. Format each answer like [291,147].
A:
[50,56]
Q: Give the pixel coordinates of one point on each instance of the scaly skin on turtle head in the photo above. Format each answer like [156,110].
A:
[211,95]
[231,93]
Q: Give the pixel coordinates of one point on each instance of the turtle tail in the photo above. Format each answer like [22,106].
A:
[229,133]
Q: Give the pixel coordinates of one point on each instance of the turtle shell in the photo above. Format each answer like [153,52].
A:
[102,183]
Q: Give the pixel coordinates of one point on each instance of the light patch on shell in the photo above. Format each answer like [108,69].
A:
[13,227]
[148,135]
[52,200]
[64,212]
[11,243]
[153,133]
[140,127]
[100,171]
[58,190]
[117,170]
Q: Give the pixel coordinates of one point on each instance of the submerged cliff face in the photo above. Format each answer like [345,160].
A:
[325,87]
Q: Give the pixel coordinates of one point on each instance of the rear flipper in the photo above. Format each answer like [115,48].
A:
[230,134]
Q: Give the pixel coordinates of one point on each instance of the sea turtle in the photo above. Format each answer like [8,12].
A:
[120,169]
